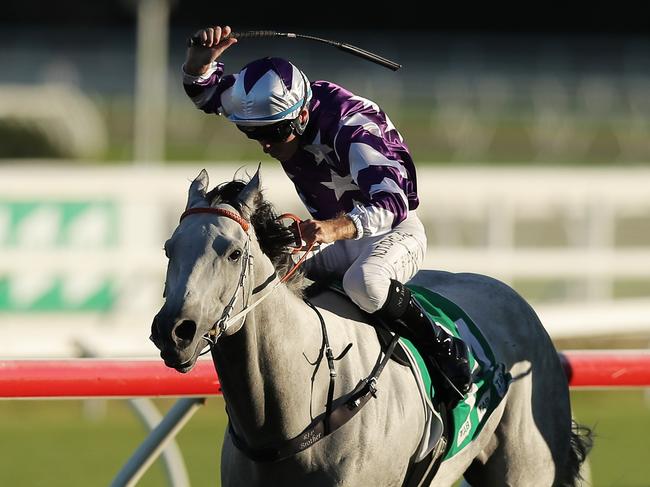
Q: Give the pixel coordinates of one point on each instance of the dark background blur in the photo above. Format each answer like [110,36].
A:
[621,18]
[530,83]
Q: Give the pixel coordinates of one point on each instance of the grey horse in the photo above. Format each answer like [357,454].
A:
[222,283]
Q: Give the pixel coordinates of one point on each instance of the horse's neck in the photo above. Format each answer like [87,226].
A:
[263,370]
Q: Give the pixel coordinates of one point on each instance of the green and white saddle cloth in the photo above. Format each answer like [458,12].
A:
[490,379]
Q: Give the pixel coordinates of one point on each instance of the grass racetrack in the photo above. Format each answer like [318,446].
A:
[56,443]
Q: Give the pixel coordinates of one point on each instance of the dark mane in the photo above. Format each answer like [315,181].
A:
[273,236]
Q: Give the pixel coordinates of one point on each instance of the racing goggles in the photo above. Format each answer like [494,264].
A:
[277,132]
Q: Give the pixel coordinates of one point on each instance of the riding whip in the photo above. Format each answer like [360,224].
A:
[349,48]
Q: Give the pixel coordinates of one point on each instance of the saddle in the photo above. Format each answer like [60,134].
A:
[422,471]
[384,335]
[454,428]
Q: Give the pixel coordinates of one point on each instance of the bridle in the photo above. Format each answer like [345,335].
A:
[335,415]
[220,326]
[245,224]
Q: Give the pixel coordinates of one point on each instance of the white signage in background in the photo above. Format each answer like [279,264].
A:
[95,227]
[37,227]
[81,247]
[5,219]
[33,227]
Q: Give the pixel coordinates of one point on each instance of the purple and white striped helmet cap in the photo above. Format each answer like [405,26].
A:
[266,91]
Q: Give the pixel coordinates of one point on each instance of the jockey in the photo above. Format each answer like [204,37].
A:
[352,170]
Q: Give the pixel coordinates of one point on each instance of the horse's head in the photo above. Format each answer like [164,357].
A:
[208,258]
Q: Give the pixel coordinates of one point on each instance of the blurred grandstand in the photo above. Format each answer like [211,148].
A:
[558,91]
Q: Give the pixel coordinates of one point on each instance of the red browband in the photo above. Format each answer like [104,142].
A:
[218,211]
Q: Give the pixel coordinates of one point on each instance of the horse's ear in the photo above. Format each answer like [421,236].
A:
[250,196]
[198,188]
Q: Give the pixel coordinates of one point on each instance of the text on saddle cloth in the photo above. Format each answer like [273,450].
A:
[490,379]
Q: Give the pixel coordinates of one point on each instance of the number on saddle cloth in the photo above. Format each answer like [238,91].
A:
[490,377]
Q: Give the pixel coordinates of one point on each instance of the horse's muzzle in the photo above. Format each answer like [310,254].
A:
[176,341]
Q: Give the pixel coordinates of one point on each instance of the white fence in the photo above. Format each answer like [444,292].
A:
[81,247]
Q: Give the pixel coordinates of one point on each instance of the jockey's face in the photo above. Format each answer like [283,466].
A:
[279,141]
[282,151]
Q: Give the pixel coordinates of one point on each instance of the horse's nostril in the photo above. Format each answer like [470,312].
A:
[185,332]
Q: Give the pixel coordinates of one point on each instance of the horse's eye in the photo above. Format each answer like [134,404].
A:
[235,255]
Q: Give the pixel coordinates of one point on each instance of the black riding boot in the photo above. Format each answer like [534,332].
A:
[404,316]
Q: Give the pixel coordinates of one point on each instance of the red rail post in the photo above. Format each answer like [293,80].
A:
[106,378]
[150,378]
[607,368]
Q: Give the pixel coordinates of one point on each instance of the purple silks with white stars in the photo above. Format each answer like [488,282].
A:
[351,160]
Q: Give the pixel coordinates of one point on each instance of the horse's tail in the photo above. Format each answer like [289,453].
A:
[581,442]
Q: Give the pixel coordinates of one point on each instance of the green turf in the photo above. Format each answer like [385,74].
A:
[621,425]
[54,443]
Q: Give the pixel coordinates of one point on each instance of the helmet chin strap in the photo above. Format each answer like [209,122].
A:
[299,127]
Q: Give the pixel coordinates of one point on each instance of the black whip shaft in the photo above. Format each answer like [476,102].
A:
[349,48]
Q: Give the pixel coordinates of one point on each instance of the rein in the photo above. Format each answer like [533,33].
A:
[333,417]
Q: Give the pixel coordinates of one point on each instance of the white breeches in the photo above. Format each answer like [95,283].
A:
[367,265]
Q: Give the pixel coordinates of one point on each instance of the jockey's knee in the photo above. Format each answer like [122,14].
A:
[366,287]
